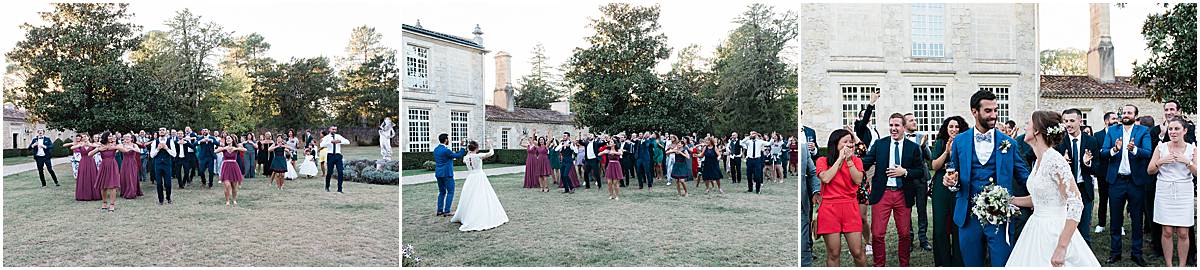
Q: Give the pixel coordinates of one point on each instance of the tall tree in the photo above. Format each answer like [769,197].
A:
[1170,72]
[74,65]
[682,108]
[752,77]
[615,74]
[292,92]
[365,44]
[369,92]
[247,52]
[196,42]
[538,88]
[1065,61]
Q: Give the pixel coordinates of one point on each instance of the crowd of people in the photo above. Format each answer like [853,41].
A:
[1130,167]
[654,156]
[111,164]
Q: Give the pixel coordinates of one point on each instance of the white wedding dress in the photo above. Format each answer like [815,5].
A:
[1053,204]
[479,208]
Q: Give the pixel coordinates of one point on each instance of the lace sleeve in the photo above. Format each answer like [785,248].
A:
[1068,191]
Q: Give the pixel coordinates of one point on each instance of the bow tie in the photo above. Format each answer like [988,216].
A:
[983,138]
[911,135]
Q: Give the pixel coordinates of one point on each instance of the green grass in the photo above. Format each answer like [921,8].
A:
[644,228]
[299,226]
[17,160]
[456,168]
[920,257]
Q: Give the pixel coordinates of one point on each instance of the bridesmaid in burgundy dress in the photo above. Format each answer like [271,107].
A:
[613,172]
[86,188]
[544,162]
[531,165]
[130,188]
[231,174]
[110,174]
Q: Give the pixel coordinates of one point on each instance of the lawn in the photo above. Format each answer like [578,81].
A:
[920,257]
[644,228]
[456,169]
[299,226]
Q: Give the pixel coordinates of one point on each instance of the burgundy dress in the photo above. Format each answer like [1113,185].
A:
[613,170]
[86,186]
[110,173]
[532,170]
[130,188]
[230,171]
[544,157]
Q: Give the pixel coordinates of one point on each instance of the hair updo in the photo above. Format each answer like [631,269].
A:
[472,146]
[1049,125]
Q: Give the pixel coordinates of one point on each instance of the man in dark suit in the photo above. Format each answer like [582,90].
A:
[808,198]
[894,188]
[190,162]
[205,145]
[810,139]
[1101,168]
[645,160]
[591,169]
[162,151]
[628,155]
[922,185]
[179,162]
[862,126]
[1079,149]
[1128,147]
[735,153]
[41,146]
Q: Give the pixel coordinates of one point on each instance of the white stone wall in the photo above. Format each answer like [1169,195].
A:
[455,83]
[870,44]
[516,129]
[24,131]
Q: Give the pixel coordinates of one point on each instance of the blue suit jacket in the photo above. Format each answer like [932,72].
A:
[204,150]
[1140,136]
[445,160]
[45,141]
[1009,168]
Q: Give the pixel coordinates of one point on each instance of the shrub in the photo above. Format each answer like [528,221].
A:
[363,171]
[429,165]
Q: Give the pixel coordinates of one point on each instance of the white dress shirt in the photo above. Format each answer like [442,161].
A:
[754,147]
[327,142]
[1074,142]
[1125,153]
[41,151]
[983,150]
[894,150]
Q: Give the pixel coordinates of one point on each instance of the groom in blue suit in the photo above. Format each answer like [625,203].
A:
[980,155]
[445,173]
[1127,148]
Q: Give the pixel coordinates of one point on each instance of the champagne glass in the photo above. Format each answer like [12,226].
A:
[951,168]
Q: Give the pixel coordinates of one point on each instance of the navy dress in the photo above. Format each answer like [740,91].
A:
[278,161]
[710,168]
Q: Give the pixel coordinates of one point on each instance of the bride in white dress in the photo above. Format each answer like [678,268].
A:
[1050,237]
[479,209]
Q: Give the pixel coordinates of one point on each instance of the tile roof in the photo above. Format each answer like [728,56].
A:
[1082,86]
[447,37]
[527,115]
[14,113]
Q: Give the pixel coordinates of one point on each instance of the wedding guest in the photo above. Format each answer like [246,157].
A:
[335,142]
[130,188]
[645,160]
[680,171]
[895,191]
[554,157]
[580,156]
[544,160]
[143,141]
[566,149]
[231,175]
[659,155]
[264,157]
[628,156]
[945,234]
[734,152]
[533,170]
[1126,145]
[1101,164]
[251,154]
[791,162]
[863,129]
[921,185]
[1078,148]
[1174,163]
[711,166]
[809,196]
[591,171]
[777,145]
[323,154]
[840,174]
[162,151]
[186,162]
[205,145]
[754,160]
[279,163]
[75,155]
[613,172]
[109,177]
[41,146]
[86,181]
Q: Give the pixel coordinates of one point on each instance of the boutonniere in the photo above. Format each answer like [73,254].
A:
[1004,145]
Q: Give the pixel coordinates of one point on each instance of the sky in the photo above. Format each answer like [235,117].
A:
[301,28]
[561,26]
[1067,25]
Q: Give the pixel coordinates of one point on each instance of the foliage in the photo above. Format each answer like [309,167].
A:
[538,89]
[1170,72]
[363,171]
[291,91]
[1067,61]
[753,80]
[369,92]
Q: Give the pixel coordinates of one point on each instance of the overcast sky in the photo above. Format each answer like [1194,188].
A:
[1068,25]
[293,28]
[561,26]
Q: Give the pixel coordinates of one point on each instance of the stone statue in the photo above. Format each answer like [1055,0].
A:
[386,133]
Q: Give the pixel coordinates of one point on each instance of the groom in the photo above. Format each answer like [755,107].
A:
[979,155]
[444,159]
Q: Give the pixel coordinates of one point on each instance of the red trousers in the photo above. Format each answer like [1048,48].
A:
[892,204]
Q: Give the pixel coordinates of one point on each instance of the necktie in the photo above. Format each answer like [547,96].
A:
[1075,157]
[334,145]
[754,148]
[896,157]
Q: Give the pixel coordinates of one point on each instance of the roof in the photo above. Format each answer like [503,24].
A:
[1082,86]
[442,36]
[528,115]
[14,113]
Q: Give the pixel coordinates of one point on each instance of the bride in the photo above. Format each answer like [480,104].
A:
[1050,237]
[479,209]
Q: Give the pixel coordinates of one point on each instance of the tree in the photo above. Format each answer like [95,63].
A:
[195,42]
[753,80]
[292,91]
[537,90]
[615,74]
[1170,72]
[680,104]
[365,44]
[74,65]
[369,92]
[1066,61]
[246,52]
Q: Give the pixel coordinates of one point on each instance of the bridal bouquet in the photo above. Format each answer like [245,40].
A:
[992,205]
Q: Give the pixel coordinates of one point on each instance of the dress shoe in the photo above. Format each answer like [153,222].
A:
[1099,229]
[1139,261]
[1113,259]
[926,246]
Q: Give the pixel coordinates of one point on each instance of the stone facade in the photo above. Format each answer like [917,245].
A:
[923,58]
[446,82]
[18,130]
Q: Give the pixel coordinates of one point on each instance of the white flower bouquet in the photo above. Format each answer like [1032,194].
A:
[992,205]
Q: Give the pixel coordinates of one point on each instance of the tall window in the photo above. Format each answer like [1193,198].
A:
[417,73]
[929,106]
[1085,118]
[418,130]
[854,99]
[1001,92]
[504,138]
[928,30]
[458,128]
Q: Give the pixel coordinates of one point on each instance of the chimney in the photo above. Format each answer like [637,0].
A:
[503,95]
[1100,51]
[478,35]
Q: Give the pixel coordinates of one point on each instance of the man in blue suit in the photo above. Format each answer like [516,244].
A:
[444,158]
[42,147]
[204,155]
[1128,149]
[983,156]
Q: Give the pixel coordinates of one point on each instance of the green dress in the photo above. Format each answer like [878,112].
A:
[555,160]
[658,151]
[945,235]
